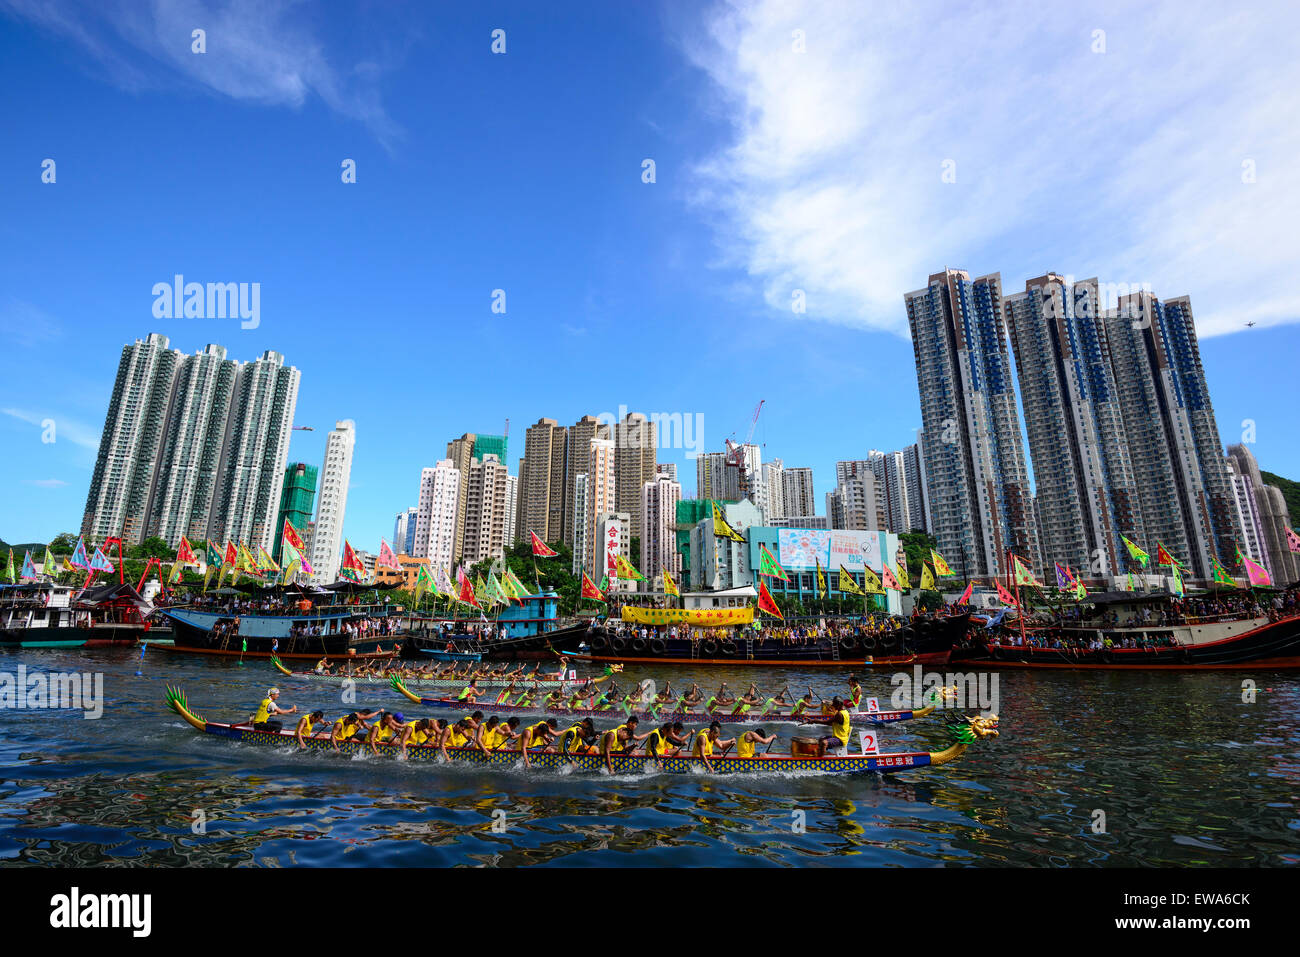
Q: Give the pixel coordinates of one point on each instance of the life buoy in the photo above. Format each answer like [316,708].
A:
[639,645]
[617,645]
[658,647]
[709,648]
[870,644]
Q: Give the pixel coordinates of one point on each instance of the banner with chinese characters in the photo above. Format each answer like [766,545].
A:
[707,617]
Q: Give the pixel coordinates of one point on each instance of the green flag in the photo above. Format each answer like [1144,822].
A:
[768,565]
[1136,553]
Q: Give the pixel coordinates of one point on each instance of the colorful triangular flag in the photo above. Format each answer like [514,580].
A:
[1135,553]
[927,578]
[624,569]
[768,565]
[766,602]
[29,570]
[720,527]
[185,553]
[670,586]
[821,580]
[387,557]
[847,583]
[940,566]
[541,549]
[589,589]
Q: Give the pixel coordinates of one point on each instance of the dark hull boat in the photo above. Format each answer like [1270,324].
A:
[926,641]
[48,615]
[263,636]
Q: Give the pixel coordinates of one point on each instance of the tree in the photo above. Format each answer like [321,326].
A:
[64,543]
[152,547]
[916,547]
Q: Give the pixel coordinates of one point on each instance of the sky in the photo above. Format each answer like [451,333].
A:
[824,155]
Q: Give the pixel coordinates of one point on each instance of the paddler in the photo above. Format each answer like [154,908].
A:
[504,696]
[347,728]
[261,720]
[541,735]
[307,727]
[802,705]
[718,700]
[749,699]
[454,736]
[387,728]
[579,738]
[470,692]
[705,743]
[745,742]
[855,692]
[773,706]
[667,735]
[485,734]
[620,740]
[421,732]
[840,725]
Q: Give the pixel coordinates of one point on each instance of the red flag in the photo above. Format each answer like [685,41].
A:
[1005,596]
[541,549]
[232,556]
[293,538]
[350,559]
[765,602]
[185,554]
[965,596]
[589,589]
[467,593]
[887,578]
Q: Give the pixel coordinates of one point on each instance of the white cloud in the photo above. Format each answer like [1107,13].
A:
[1125,164]
[78,433]
[263,51]
[23,324]
[45,483]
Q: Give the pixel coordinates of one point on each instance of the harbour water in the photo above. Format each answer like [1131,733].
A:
[1183,771]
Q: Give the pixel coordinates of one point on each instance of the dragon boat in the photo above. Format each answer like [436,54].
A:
[459,682]
[963,731]
[657,717]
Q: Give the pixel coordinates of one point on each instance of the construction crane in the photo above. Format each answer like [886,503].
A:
[736,455]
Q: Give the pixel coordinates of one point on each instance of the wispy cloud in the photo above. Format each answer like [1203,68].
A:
[23,324]
[1126,164]
[45,483]
[78,433]
[263,51]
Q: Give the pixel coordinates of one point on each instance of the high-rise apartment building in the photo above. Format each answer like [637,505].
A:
[485,515]
[636,444]
[1086,491]
[578,442]
[461,453]
[581,531]
[1271,517]
[437,515]
[774,489]
[711,476]
[1184,488]
[613,535]
[977,477]
[857,502]
[901,484]
[331,507]
[601,499]
[192,445]
[797,492]
[404,530]
[512,515]
[659,500]
[297,498]
[545,447]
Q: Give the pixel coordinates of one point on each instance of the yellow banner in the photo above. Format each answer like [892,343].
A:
[708,618]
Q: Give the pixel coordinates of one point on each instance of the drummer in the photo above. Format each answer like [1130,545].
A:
[840,726]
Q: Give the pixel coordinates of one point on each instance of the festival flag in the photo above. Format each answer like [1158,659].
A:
[1221,576]
[940,566]
[887,577]
[265,562]
[1178,581]
[589,589]
[540,548]
[520,589]
[720,527]
[604,583]
[66,566]
[9,569]
[765,601]
[1004,596]
[1256,574]
[185,553]
[624,569]
[870,581]
[211,555]
[821,580]
[847,583]
[98,563]
[480,589]
[467,592]
[1165,557]
[927,578]
[350,559]
[1080,592]
[1135,553]
[79,558]
[387,557]
[1024,574]
[1063,580]
[443,582]
[49,566]
[670,586]
[29,570]
[964,597]
[231,557]
[207,577]
[768,565]
[904,579]
[175,575]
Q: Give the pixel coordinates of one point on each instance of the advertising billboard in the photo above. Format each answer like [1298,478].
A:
[799,549]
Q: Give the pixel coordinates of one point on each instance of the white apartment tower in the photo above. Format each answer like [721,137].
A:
[600,500]
[797,484]
[436,516]
[332,503]
[658,528]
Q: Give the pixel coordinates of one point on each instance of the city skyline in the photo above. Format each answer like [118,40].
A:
[402,265]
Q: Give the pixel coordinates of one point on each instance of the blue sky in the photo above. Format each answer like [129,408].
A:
[796,147]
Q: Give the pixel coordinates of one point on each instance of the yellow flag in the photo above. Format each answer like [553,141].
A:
[821,580]
[848,584]
[670,586]
[721,529]
[940,566]
[927,578]
[873,585]
[904,582]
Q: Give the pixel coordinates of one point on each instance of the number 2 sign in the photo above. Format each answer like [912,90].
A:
[870,745]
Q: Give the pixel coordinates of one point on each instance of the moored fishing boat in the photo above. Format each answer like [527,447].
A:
[49,615]
[656,716]
[964,732]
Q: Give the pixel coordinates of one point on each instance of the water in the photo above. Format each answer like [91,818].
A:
[1184,771]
